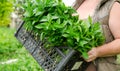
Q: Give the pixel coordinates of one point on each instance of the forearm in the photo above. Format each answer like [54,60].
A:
[109,49]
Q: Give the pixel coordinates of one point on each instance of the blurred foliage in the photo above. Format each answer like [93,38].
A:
[25,62]
[8,42]
[6,7]
[11,49]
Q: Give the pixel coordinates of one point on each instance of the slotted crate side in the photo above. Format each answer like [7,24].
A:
[21,34]
[64,61]
[30,44]
[26,39]
[50,59]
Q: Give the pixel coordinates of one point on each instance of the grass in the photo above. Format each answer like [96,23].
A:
[10,49]
[25,61]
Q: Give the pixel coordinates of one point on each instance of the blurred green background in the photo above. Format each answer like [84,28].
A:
[13,57]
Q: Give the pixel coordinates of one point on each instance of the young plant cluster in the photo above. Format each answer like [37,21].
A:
[53,22]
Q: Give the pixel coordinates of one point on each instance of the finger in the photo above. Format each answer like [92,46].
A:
[90,53]
[91,58]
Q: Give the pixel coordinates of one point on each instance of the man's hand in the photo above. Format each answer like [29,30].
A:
[92,54]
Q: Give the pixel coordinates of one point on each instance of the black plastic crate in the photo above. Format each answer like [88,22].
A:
[50,59]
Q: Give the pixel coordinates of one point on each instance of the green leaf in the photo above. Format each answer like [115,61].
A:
[69,22]
[82,43]
[55,17]
[57,26]
[41,36]
[64,22]
[65,35]
[85,26]
[38,13]
[70,42]
[79,28]
[33,22]
[90,20]
[40,26]
[49,17]
[58,21]
[85,55]
[77,37]
[59,11]
[27,14]
[44,19]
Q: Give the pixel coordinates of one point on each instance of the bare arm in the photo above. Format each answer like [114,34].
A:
[113,47]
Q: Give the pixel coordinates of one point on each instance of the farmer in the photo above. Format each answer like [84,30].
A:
[107,12]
